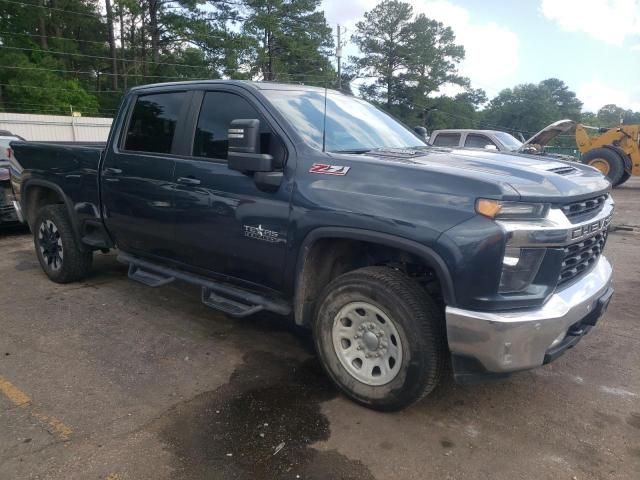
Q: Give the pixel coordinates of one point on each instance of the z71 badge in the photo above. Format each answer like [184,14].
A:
[329,169]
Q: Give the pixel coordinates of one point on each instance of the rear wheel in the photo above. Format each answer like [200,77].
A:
[380,337]
[607,161]
[57,249]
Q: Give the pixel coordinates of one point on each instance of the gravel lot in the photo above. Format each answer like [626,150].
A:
[109,379]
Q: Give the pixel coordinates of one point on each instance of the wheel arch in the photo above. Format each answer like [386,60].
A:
[37,193]
[314,270]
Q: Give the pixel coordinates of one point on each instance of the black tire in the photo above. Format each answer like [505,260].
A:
[57,248]
[608,158]
[625,176]
[418,320]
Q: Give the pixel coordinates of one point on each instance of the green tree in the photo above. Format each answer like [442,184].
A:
[566,101]
[384,38]
[290,40]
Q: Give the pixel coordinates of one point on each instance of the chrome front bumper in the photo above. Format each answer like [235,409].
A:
[503,342]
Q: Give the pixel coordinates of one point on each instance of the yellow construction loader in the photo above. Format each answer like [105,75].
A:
[613,151]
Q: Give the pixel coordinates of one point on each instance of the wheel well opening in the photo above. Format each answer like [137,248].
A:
[38,197]
[328,258]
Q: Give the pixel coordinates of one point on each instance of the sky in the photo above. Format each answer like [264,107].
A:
[592,45]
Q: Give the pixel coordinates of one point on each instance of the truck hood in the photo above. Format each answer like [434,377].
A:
[548,133]
[533,178]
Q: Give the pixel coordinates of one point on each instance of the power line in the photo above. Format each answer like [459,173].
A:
[37,35]
[96,73]
[55,88]
[100,57]
[32,5]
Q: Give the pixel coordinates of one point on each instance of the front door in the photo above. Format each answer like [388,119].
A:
[137,177]
[224,223]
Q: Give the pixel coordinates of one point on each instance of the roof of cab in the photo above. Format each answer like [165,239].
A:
[242,83]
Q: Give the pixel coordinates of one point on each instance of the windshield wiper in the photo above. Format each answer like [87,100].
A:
[353,150]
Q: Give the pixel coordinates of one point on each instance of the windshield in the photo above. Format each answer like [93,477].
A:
[352,125]
[508,140]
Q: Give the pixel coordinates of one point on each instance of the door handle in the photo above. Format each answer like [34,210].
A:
[188,181]
[113,171]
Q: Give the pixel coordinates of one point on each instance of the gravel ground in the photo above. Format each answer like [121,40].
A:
[108,379]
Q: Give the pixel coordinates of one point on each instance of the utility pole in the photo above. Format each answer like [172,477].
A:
[339,55]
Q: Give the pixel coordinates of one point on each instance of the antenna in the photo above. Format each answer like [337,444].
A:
[324,119]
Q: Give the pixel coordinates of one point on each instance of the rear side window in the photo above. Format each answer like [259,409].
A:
[477,141]
[447,140]
[153,122]
[217,112]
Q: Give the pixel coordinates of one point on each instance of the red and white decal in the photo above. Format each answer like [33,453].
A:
[329,169]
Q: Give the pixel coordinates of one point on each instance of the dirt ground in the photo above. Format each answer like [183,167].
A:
[109,379]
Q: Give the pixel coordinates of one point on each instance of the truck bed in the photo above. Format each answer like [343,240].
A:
[72,169]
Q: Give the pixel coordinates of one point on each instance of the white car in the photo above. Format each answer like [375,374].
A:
[7,210]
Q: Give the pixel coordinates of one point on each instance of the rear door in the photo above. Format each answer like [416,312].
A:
[477,140]
[137,175]
[225,224]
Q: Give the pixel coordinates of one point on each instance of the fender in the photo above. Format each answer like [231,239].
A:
[625,158]
[428,255]
[32,182]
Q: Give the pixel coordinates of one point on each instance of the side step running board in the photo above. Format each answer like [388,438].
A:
[150,279]
[227,298]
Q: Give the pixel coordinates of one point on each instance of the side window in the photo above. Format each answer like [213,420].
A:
[447,140]
[474,140]
[153,122]
[217,112]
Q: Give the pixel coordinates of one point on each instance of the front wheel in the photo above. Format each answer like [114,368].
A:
[58,251]
[380,337]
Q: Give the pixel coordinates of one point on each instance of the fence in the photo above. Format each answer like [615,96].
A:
[56,128]
[574,152]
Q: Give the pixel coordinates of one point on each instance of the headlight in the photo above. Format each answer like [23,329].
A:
[519,268]
[511,210]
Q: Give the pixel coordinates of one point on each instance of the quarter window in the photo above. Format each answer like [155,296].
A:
[447,140]
[153,122]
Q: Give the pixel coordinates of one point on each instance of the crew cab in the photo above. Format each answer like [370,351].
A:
[309,203]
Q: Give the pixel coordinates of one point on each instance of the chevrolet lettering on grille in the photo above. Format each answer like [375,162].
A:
[590,228]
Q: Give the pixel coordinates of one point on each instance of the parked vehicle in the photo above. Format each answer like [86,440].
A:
[7,211]
[502,141]
[291,199]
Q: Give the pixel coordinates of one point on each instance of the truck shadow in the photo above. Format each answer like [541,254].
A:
[259,425]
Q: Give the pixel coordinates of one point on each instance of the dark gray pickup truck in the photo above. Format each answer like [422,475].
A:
[398,256]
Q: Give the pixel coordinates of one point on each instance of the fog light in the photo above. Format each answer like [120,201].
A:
[519,268]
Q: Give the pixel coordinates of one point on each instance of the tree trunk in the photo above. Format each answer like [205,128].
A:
[270,56]
[55,23]
[123,68]
[112,45]
[42,26]
[155,30]
[143,45]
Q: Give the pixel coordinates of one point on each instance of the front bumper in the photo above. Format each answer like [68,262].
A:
[496,343]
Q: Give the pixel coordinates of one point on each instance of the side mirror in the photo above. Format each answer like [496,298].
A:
[421,132]
[244,147]
[490,147]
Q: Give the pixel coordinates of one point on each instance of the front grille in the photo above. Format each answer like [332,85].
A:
[585,207]
[580,257]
